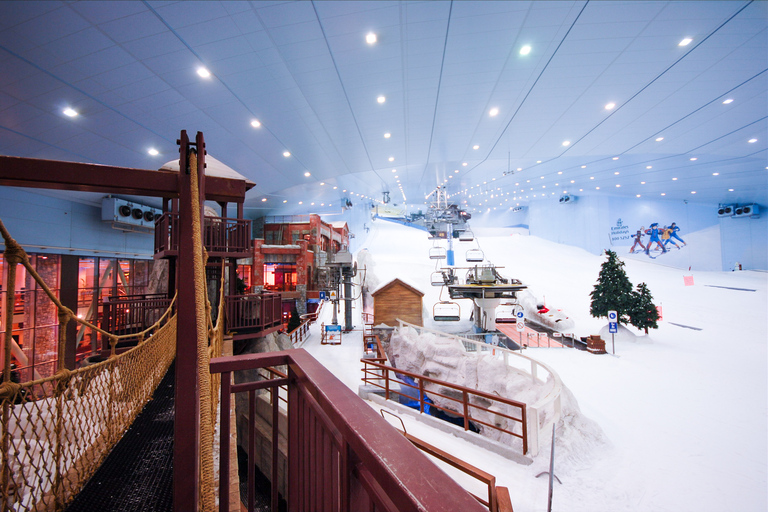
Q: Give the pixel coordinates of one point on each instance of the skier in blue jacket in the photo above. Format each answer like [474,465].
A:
[653,230]
[673,234]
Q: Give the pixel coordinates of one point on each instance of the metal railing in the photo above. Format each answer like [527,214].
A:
[464,401]
[341,456]
[541,414]
[222,237]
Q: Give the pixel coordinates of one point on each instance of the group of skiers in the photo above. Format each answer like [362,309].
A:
[661,236]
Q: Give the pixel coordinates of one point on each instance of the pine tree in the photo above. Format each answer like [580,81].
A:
[613,290]
[643,313]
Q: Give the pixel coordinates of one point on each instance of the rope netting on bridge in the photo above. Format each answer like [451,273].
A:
[55,432]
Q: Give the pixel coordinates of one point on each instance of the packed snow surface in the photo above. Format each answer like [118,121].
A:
[675,421]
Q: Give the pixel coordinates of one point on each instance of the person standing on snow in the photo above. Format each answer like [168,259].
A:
[654,232]
[638,238]
[673,234]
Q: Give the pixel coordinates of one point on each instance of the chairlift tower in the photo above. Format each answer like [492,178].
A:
[335,273]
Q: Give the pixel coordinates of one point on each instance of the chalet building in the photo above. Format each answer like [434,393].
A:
[397,299]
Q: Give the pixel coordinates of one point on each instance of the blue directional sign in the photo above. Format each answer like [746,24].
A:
[520,314]
[613,327]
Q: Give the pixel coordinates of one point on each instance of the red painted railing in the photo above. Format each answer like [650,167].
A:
[259,311]
[222,237]
[341,455]
[133,313]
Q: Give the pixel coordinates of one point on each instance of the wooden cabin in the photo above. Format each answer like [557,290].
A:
[397,300]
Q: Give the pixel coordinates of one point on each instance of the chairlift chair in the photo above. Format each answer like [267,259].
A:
[466,236]
[437,253]
[437,278]
[446,311]
[475,255]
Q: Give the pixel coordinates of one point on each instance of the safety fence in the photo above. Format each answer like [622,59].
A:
[221,237]
[341,454]
[462,404]
[541,414]
[56,431]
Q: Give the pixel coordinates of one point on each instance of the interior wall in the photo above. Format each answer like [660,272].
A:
[45,224]
[596,223]
[744,240]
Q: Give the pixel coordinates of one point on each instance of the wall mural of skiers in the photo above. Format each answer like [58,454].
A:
[661,236]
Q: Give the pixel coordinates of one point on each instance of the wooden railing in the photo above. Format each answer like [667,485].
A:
[254,312]
[341,455]
[132,313]
[389,379]
[541,414]
[222,237]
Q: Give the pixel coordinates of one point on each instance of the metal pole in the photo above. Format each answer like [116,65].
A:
[613,343]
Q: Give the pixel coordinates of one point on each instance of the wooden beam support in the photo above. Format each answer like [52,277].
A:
[108,179]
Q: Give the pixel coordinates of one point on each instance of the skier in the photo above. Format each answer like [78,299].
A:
[675,228]
[638,238]
[653,230]
[665,237]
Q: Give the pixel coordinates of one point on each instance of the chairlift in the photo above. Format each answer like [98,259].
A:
[437,278]
[475,255]
[466,236]
[446,311]
[437,253]
[505,313]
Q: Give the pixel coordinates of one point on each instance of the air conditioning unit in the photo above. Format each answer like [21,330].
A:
[565,198]
[725,210]
[129,216]
[747,210]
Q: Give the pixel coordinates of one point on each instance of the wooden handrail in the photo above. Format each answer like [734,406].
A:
[339,449]
[388,375]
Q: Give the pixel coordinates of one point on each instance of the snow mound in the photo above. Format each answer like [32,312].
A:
[623,336]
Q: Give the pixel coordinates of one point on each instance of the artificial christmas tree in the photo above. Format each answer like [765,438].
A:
[613,290]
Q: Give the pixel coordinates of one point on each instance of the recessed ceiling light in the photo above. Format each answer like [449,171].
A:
[663,193]
[370,38]
[715,174]
[307,174]
[285,200]
[638,195]
[591,177]
[693,191]
[659,139]
[153,151]
[610,106]
[752,141]
[204,73]
[525,50]
[730,190]
[464,164]
[478,147]
[538,161]
[685,42]
[616,173]
[674,179]
[493,112]
[573,181]
[255,123]
[642,183]
[334,188]
[566,143]
[597,188]
[301,202]
[286,154]
[381,99]
[312,204]
[583,166]
[649,167]
[391,159]
[387,135]
[519,168]
[263,199]
[693,159]
[617,185]
[615,158]
[322,183]
[727,101]
[69,112]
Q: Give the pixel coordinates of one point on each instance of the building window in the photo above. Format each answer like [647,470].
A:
[280,277]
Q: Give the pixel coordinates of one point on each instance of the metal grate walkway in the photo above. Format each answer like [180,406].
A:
[138,474]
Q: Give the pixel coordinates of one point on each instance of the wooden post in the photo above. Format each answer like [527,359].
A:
[186,446]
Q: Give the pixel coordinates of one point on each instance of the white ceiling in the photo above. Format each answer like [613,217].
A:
[304,70]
